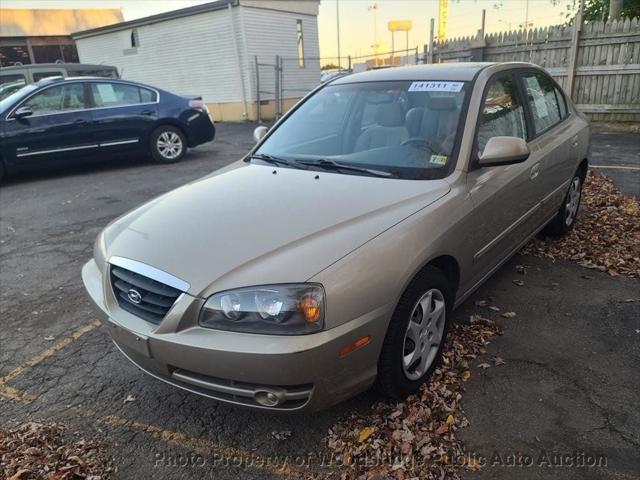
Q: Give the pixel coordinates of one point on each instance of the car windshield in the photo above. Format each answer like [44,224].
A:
[15,96]
[407,129]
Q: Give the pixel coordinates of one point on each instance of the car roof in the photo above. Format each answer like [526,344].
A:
[462,72]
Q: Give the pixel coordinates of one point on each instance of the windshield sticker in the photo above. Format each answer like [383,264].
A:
[436,87]
[438,159]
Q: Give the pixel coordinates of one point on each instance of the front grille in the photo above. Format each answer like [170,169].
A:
[155,298]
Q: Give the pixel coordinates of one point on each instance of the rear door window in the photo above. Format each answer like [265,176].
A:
[120,94]
[37,76]
[502,113]
[542,99]
[12,78]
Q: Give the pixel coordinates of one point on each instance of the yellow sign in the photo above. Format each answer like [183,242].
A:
[399,25]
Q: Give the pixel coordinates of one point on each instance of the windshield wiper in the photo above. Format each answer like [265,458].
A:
[333,165]
[265,157]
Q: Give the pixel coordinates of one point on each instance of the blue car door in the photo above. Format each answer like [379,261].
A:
[56,129]
[123,116]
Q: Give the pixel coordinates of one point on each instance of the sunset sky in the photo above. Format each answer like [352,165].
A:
[357,22]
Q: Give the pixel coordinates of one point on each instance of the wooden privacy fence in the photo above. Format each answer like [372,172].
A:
[597,63]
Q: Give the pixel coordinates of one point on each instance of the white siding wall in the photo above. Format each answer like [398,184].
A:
[196,55]
[269,33]
[192,55]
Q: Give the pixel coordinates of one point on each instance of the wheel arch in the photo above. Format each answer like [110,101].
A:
[168,122]
[582,169]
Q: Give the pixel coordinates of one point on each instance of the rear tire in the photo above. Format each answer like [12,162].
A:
[565,219]
[416,335]
[167,144]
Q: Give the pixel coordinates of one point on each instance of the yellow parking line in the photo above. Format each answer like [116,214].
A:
[234,456]
[15,394]
[619,167]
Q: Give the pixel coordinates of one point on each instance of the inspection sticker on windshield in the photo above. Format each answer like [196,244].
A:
[436,86]
[439,159]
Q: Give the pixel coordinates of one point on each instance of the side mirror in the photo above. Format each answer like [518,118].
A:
[504,151]
[23,111]
[259,133]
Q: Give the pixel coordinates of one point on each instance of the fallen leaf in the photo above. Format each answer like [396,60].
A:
[481,303]
[497,361]
[508,314]
[466,375]
[365,433]
[450,420]
[130,398]
[281,435]
[49,338]
[494,308]
[442,429]
[518,282]
[484,366]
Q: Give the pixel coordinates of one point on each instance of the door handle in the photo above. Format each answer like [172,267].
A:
[535,171]
[80,122]
[574,141]
[147,112]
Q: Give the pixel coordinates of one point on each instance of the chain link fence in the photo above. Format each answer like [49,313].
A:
[281,81]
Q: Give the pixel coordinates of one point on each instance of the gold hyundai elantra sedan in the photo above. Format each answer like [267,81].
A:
[330,258]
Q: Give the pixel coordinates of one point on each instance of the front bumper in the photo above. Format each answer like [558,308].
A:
[303,372]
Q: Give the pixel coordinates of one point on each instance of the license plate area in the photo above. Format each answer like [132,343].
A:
[130,340]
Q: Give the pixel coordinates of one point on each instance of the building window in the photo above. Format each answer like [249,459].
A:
[12,55]
[300,43]
[135,40]
[47,53]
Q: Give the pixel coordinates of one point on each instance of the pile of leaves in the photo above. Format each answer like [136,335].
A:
[417,437]
[38,451]
[606,235]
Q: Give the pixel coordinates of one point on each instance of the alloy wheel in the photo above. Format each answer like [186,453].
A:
[424,334]
[169,145]
[572,201]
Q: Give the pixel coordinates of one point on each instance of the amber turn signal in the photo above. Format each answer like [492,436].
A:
[310,308]
[361,342]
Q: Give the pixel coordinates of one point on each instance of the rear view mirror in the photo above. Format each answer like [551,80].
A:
[504,151]
[23,111]
[259,133]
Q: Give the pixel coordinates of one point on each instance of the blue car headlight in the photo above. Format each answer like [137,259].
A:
[287,309]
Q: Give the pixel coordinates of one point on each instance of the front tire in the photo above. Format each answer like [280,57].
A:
[413,344]
[565,219]
[168,144]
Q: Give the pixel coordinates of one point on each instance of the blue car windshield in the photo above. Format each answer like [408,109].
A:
[15,97]
[408,129]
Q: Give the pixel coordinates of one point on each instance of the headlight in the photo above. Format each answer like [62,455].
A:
[292,309]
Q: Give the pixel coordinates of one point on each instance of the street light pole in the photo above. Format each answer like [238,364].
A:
[338,30]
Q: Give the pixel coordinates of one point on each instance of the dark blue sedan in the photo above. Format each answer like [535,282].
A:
[74,119]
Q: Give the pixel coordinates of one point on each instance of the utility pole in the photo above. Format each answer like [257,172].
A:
[526,17]
[484,17]
[338,30]
[374,8]
[615,9]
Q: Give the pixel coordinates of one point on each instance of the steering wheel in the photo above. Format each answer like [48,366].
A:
[420,141]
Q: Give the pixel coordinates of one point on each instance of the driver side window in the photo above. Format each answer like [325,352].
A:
[502,113]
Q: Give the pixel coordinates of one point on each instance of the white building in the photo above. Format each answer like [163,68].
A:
[211,50]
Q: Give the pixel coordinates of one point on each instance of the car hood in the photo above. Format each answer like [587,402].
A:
[252,224]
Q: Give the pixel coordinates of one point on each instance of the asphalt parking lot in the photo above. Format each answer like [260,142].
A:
[569,383]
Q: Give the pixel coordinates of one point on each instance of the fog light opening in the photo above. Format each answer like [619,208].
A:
[268,398]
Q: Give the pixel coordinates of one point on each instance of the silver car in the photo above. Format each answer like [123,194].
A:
[330,258]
